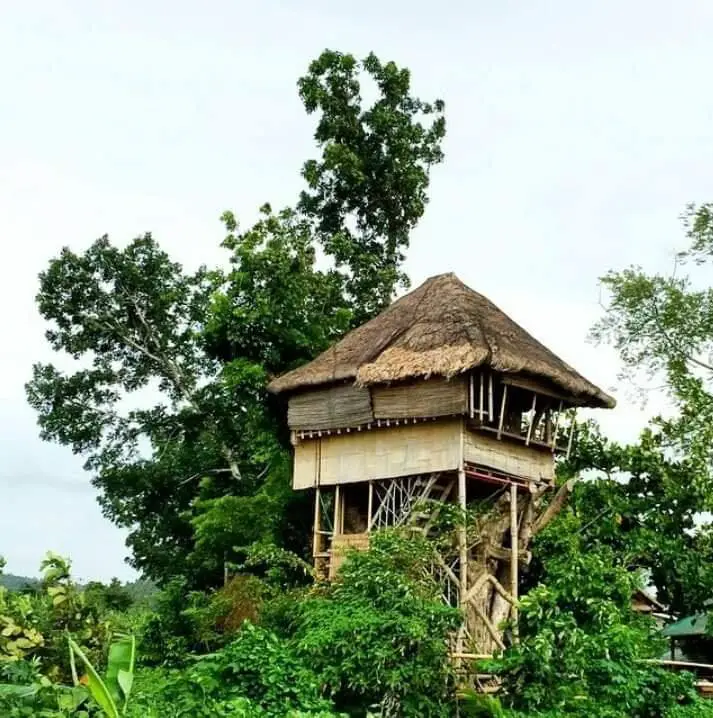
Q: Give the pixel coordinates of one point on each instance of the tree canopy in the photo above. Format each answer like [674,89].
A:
[166,396]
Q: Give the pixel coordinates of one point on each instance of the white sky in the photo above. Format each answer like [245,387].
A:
[577,132]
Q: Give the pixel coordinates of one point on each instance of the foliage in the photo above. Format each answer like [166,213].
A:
[644,503]
[378,635]
[256,671]
[582,649]
[166,396]
[36,625]
[112,692]
[112,597]
[373,170]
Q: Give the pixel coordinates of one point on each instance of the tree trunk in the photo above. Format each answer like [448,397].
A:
[488,602]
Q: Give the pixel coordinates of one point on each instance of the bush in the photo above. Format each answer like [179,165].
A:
[582,650]
[378,635]
[256,673]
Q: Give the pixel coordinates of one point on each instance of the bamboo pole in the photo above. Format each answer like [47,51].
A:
[502,410]
[491,401]
[514,557]
[337,513]
[316,538]
[370,508]
[481,398]
[556,427]
[571,432]
[462,534]
[532,421]
[471,396]
[463,550]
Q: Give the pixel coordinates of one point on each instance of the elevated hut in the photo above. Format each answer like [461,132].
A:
[440,397]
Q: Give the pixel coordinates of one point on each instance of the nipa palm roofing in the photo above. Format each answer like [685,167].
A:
[442,328]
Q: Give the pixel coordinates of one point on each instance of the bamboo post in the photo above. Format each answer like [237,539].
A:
[556,427]
[548,425]
[337,511]
[471,396]
[532,420]
[481,398]
[514,556]
[571,432]
[316,538]
[463,549]
[491,402]
[370,507]
[502,410]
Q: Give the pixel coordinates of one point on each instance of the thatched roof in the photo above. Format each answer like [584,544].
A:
[442,328]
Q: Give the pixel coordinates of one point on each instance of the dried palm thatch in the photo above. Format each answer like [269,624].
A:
[442,328]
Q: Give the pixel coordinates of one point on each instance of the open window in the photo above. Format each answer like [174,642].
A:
[522,409]
[355,509]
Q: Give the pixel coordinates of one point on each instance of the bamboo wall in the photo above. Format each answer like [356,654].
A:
[339,407]
[378,454]
[349,406]
[508,456]
[422,448]
[432,397]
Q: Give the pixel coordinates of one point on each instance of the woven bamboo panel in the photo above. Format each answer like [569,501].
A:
[378,454]
[509,457]
[420,399]
[341,545]
[338,407]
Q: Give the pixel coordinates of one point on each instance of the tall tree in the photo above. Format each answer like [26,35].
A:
[369,189]
[643,505]
[662,327]
[166,397]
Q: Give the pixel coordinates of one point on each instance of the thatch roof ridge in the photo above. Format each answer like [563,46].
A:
[442,328]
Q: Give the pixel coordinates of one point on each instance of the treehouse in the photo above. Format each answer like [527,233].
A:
[441,398]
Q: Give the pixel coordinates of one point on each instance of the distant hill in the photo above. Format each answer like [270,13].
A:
[141,591]
[17,583]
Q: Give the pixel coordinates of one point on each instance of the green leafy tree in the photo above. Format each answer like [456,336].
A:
[662,327]
[582,649]
[369,188]
[166,396]
[643,503]
[378,636]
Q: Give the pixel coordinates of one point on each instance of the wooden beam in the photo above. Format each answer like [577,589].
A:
[489,625]
[556,427]
[462,533]
[514,548]
[491,401]
[505,554]
[473,656]
[503,404]
[481,397]
[477,585]
[337,511]
[446,568]
[571,432]
[532,420]
[555,506]
[316,535]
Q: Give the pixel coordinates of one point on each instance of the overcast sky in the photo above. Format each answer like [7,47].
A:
[577,132]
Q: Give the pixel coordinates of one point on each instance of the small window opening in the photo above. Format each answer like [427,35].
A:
[356,508]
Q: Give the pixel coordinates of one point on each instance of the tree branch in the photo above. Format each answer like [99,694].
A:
[556,505]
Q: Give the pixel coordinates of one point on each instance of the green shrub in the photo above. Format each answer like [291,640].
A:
[378,635]
[256,672]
